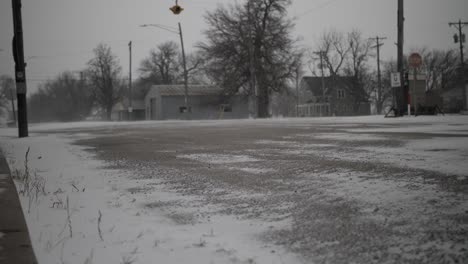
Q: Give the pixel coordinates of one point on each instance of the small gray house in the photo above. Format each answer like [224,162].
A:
[121,112]
[164,102]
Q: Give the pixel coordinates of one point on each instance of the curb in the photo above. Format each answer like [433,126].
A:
[15,243]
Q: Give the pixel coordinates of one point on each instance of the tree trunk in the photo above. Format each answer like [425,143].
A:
[109,113]
[263,102]
[379,107]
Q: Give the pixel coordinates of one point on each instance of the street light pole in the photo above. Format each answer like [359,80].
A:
[130,105]
[185,69]
[401,95]
[184,61]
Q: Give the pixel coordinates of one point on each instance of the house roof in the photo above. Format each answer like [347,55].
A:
[314,84]
[124,104]
[193,90]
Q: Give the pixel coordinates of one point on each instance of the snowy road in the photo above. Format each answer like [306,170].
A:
[325,190]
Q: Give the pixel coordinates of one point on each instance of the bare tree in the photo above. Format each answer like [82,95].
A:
[64,98]
[249,48]
[104,75]
[345,55]
[385,100]
[359,51]
[7,89]
[335,50]
[162,66]
[442,68]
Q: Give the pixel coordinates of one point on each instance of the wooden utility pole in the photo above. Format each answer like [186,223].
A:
[461,39]
[130,105]
[379,78]
[20,69]
[401,95]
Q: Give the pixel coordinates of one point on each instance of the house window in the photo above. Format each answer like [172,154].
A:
[183,109]
[341,93]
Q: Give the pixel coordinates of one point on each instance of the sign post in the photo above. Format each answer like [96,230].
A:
[395,79]
[415,61]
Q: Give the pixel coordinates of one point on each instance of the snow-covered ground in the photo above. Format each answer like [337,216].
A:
[131,231]
[91,213]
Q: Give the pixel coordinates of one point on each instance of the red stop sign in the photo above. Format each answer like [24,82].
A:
[415,60]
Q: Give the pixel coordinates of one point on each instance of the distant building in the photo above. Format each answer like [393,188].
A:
[164,102]
[339,98]
[121,112]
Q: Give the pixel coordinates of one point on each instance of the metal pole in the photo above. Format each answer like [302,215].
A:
[413,90]
[400,95]
[130,110]
[20,69]
[185,69]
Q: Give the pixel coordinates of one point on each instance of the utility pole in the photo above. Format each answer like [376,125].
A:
[461,39]
[20,69]
[379,78]
[178,32]
[321,54]
[185,70]
[402,94]
[130,105]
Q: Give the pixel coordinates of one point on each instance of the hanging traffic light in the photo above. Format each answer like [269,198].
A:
[176,9]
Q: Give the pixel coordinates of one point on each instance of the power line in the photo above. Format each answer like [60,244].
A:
[318,7]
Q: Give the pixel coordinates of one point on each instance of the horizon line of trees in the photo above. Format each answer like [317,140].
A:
[249,49]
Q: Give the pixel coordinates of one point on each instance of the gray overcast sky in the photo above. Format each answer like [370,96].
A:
[61,34]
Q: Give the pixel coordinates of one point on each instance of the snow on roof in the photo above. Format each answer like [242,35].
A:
[314,84]
[179,90]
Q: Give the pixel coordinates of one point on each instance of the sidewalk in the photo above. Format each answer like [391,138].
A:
[15,244]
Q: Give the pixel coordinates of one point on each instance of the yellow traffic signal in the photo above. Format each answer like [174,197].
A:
[176,9]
